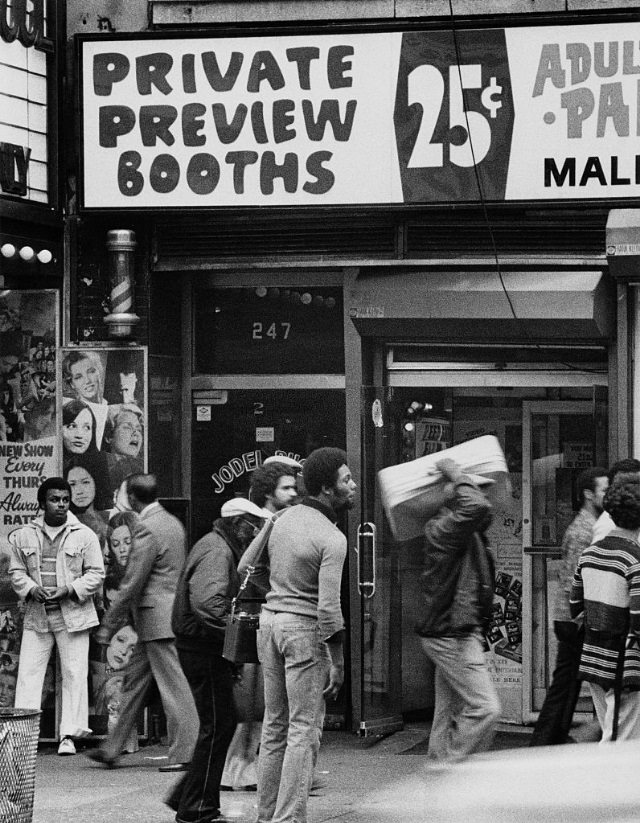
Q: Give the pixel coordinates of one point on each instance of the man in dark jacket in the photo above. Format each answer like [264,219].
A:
[208,583]
[457,584]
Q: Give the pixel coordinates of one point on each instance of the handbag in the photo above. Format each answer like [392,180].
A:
[240,636]
[248,693]
[240,640]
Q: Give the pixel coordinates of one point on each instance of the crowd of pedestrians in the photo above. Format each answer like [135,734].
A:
[173,606]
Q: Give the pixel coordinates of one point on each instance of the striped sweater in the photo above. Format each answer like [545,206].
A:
[606,586]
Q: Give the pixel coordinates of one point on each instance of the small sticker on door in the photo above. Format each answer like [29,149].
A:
[376,414]
[203,414]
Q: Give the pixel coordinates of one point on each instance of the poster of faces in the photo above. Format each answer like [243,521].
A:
[104,411]
[103,423]
[108,663]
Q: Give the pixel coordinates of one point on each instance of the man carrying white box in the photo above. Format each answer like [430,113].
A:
[458,585]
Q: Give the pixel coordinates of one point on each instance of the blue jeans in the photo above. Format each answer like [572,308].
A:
[467,706]
[295,665]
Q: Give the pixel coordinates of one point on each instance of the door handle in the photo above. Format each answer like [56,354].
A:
[366,554]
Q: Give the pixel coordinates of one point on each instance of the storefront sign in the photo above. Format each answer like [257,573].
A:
[24,45]
[543,113]
[14,165]
[22,23]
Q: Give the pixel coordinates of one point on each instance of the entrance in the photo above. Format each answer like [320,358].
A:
[550,419]
[560,439]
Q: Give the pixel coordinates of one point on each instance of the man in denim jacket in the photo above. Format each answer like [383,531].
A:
[56,566]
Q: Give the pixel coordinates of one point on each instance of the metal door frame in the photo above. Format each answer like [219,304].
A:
[529,408]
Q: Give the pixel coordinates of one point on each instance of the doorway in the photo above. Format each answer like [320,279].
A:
[425,409]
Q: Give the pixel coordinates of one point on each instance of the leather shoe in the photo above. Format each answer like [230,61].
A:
[100,757]
[174,767]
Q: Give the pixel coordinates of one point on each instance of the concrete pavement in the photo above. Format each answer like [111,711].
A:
[366,782]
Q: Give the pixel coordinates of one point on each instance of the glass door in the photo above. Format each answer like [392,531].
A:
[559,440]
[379,640]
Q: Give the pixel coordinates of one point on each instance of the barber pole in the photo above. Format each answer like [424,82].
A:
[121,244]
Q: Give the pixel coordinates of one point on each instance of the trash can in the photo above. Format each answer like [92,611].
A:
[19,731]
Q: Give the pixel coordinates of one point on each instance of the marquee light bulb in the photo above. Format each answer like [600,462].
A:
[44,256]
[27,253]
[8,250]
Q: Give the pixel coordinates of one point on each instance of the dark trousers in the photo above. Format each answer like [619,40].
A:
[554,721]
[197,796]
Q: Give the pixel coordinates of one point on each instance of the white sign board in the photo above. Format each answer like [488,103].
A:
[540,113]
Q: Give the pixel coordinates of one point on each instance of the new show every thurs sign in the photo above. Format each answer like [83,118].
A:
[544,113]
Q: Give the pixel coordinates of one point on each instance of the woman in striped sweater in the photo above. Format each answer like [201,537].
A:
[606,588]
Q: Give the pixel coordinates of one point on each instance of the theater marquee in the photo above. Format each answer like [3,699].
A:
[547,113]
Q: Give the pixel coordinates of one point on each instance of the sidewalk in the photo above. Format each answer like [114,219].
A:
[366,782]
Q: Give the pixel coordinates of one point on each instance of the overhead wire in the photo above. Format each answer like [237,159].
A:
[483,203]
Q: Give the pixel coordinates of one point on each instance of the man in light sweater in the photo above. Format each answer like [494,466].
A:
[300,640]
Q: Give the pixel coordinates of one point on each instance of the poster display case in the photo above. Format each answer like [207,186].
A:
[29,453]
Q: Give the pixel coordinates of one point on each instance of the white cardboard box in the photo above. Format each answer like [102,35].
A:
[413,492]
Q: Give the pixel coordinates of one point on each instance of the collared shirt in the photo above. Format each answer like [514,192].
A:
[577,538]
[326,510]
[51,538]
[603,525]
[150,507]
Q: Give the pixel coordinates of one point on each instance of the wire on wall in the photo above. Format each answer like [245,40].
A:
[483,203]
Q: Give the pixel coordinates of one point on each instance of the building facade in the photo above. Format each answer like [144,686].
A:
[391,227]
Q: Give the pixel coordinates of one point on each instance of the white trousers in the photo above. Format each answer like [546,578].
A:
[628,717]
[73,650]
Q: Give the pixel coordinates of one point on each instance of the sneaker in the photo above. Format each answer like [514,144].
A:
[67,746]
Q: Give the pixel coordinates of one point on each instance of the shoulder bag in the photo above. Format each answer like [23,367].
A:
[240,644]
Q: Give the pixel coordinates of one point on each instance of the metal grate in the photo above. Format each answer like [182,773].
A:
[550,234]
[349,236]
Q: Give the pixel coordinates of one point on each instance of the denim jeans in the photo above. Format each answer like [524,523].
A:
[467,706]
[295,665]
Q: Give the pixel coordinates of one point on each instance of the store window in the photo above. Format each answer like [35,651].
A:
[234,435]
[272,330]
[551,425]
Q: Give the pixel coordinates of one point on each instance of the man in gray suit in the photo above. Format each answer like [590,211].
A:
[145,598]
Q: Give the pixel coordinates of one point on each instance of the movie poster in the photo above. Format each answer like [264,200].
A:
[104,440]
[104,416]
[29,453]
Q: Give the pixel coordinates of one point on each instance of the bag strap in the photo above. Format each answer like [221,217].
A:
[264,541]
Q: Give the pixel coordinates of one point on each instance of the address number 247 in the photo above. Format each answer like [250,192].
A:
[426,87]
